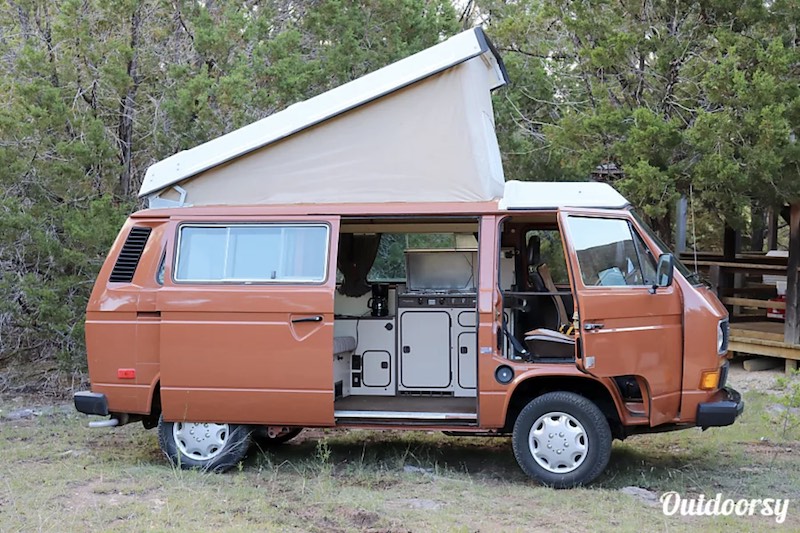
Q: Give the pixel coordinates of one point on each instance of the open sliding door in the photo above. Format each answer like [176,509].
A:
[247,321]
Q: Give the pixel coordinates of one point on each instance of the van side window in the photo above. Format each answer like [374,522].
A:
[610,253]
[252,253]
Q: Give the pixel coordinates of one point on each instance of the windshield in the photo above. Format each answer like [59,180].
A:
[692,277]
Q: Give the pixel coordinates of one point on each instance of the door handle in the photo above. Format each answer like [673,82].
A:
[317,318]
[588,326]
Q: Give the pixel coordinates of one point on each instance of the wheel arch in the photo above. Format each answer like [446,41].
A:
[596,391]
[154,405]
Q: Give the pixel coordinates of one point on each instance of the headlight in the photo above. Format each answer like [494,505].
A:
[723,329]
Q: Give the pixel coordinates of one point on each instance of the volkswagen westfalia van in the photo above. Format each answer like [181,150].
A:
[563,327]
[359,261]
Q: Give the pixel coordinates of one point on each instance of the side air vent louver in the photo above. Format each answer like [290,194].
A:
[129,255]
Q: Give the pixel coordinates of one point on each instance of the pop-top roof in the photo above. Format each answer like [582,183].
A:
[301,116]
[552,195]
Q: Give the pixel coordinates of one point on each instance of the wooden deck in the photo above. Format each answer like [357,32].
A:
[762,338]
[738,279]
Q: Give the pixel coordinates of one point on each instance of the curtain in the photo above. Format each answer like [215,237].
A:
[357,254]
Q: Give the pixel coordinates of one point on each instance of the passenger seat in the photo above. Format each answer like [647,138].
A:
[548,344]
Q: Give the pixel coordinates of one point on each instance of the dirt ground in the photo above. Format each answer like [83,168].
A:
[762,380]
[58,475]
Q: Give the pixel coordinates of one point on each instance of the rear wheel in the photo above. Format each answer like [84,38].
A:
[562,439]
[204,445]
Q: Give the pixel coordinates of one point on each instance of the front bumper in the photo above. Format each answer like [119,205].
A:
[722,412]
[91,403]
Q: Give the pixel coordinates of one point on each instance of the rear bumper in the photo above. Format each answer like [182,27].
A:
[91,403]
[722,412]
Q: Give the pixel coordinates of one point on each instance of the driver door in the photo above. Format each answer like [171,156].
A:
[625,328]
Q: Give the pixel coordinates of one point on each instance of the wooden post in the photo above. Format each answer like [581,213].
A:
[730,247]
[772,229]
[714,277]
[757,228]
[791,331]
[730,243]
[680,225]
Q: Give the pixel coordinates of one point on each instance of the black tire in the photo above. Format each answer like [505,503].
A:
[583,426]
[262,439]
[233,442]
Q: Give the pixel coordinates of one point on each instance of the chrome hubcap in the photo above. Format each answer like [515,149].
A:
[202,441]
[558,442]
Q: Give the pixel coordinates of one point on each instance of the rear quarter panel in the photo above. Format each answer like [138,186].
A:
[115,337]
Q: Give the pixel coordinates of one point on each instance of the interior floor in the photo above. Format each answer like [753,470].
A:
[406,404]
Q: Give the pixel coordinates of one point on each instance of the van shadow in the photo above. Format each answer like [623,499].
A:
[384,452]
[481,458]
[643,466]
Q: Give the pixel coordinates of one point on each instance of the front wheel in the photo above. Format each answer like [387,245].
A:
[562,439]
[203,445]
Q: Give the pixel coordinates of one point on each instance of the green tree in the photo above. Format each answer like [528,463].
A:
[675,94]
[94,91]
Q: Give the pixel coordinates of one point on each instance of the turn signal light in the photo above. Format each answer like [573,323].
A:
[709,380]
[126,373]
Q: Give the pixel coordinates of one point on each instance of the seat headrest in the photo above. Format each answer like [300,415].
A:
[534,250]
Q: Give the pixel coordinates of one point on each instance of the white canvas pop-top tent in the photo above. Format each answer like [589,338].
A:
[420,129]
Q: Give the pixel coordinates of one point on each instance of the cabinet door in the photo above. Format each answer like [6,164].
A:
[376,366]
[467,364]
[425,361]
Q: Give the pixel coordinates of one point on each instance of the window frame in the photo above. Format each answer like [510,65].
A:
[243,281]
[162,265]
[648,251]
[631,227]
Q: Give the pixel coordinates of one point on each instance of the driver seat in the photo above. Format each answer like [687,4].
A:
[534,257]
[539,278]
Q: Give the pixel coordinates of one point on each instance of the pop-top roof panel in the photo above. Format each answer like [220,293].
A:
[303,115]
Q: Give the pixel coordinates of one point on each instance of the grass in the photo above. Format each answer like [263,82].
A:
[58,475]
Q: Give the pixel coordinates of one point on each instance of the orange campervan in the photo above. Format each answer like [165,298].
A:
[358,261]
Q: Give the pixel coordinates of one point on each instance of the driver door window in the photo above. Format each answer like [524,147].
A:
[610,253]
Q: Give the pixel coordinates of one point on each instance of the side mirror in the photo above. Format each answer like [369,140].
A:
[664,272]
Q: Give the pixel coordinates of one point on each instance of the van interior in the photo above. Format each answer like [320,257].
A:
[405,328]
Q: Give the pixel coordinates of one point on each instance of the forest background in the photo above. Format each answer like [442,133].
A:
[663,99]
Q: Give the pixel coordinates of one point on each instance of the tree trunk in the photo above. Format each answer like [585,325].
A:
[757,227]
[128,109]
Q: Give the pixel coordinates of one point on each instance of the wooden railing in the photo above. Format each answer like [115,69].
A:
[749,301]
[752,302]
